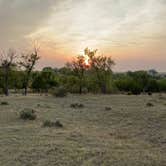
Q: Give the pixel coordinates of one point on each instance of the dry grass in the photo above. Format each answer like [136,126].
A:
[131,134]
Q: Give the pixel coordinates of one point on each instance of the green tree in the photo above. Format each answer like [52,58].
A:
[78,67]
[102,67]
[44,80]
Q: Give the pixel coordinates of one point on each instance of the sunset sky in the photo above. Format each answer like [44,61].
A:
[133,32]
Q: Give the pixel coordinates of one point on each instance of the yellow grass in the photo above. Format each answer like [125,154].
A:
[130,134]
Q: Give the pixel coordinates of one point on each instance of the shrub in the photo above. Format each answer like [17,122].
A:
[149,105]
[129,93]
[152,86]
[162,85]
[150,93]
[76,105]
[59,92]
[49,123]
[4,103]
[135,89]
[38,105]
[28,114]
[108,108]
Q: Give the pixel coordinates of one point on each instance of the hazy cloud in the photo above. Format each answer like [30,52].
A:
[21,17]
[119,27]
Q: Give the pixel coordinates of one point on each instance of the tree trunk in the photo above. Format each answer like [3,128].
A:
[25,90]
[104,89]
[25,87]
[80,89]
[26,83]
[6,90]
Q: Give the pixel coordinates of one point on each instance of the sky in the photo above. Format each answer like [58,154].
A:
[132,32]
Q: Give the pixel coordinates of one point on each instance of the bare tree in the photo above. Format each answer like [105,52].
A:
[28,63]
[7,61]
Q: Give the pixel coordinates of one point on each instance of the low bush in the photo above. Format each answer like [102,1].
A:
[129,93]
[28,114]
[59,92]
[108,108]
[49,123]
[4,103]
[76,105]
[149,104]
[150,93]
[38,105]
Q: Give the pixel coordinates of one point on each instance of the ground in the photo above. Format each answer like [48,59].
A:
[130,134]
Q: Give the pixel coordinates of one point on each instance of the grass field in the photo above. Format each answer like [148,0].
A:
[130,134]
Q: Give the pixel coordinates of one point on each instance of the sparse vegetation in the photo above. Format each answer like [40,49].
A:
[149,104]
[87,137]
[49,123]
[76,105]
[4,103]
[28,114]
[108,108]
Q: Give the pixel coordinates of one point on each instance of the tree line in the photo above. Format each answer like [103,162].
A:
[88,73]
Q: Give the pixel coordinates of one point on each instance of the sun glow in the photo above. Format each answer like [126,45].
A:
[86,60]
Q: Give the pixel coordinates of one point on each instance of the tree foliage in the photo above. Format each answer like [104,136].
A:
[88,73]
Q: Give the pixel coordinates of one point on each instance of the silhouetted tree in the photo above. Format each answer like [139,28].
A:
[7,61]
[28,63]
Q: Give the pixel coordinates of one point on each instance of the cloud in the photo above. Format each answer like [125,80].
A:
[81,21]
[21,17]
[67,26]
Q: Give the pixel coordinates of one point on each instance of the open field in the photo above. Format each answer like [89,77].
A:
[130,134]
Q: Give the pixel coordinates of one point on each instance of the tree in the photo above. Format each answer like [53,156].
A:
[141,78]
[78,67]
[44,81]
[102,66]
[28,63]
[7,61]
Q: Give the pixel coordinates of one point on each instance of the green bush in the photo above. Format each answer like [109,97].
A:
[4,103]
[130,85]
[150,93]
[149,104]
[108,108]
[49,123]
[162,85]
[152,86]
[59,92]
[28,114]
[76,105]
